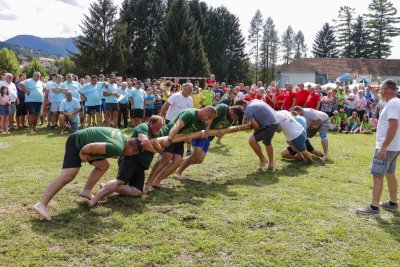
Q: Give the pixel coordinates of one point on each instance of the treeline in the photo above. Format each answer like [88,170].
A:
[154,38]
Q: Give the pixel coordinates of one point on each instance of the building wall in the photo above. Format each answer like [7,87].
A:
[296,78]
[396,78]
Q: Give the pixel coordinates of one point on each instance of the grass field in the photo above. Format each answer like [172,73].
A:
[224,214]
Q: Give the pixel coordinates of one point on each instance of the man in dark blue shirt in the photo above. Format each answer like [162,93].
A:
[21,109]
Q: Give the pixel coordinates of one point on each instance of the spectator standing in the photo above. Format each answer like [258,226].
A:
[290,98]
[302,95]
[4,110]
[123,101]
[13,94]
[138,96]
[150,100]
[313,99]
[20,105]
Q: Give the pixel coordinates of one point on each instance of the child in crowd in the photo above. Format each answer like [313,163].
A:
[209,96]
[197,97]
[374,122]
[353,122]
[365,126]
[5,103]
[158,103]
[149,101]
[216,99]
[335,122]
[373,107]
[343,119]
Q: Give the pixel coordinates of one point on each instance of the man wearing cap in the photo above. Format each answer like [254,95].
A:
[317,121]
[93,145]
[226,116]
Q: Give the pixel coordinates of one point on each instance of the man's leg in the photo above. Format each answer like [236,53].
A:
[196,158]
[392,186]
[108,189]
[100,168]
[30,122]
[285,153]
[62,123]
[66,176]
[257,149]
[168,170]
[158,166]
[128,190]
[98,119]
[108,116]
[270,154]
[89,119]
[377,190]
[115,117]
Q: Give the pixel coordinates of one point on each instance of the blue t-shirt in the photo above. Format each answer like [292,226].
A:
[150,98]
[36,90]
[70,106]
[73,87]
[92,93]
[302,121]
[21,94]
[57,97]
[219,91]
[261,112]
[112,88]
[124,96]
[158,104]
[138,96]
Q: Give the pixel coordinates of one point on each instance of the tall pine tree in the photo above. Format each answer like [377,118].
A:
[325,43]
[344,24]
[382,22]
[268,51]
[254,37]
[179,49]
[300,47]
[95,44]
[288,45]
[142,20]
[360,44]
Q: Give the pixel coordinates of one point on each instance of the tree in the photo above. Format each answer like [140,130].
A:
[66,66]
[360,44]
[300,48]
[256,25]
[35,65]
[9,61]
[142,21]
[344,24]
[325,43]
[97,39]
[288,45]
[179,49]
[268,51]
[382,22]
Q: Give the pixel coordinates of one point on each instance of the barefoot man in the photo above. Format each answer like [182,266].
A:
[130,177]
[265,123]
[226,116]
[93,145]
[188,120]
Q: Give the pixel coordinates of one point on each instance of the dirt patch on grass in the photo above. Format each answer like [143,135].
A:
[262,225]
[4,145]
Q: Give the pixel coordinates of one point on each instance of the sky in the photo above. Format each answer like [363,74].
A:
[61,18]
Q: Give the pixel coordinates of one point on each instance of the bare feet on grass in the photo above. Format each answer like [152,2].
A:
[86,194]
[323,158]
[262,165]
[41,209]
[179,176]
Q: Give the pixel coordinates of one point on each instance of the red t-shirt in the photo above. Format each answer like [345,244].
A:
[313,100]
[301,97]
[288,100]
[257,96]
[268,101]
[279,97]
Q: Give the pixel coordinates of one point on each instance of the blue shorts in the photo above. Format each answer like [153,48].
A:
[103,106]
[204,143]
[90,109]
[4,110]
[74,125]
[33,107]
[299,143]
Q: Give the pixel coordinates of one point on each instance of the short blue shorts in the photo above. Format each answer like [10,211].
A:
[93,109]
[33,107]
[204,143]
[299,143]
[74,124]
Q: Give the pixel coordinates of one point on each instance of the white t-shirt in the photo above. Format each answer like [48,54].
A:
[178,103]
[290,127]
[12,90]
[391,111]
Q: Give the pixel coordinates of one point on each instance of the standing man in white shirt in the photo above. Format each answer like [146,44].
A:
[12,92]
[175,104]
[386,152]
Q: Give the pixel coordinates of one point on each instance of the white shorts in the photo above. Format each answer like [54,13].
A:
[55,106]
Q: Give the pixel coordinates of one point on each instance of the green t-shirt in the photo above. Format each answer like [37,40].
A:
[366,125]
[340,98]
[335,121]
[114,138]
[354,120]
[209,98]
[145,157]
[222,120]
[342,116]
[189,118]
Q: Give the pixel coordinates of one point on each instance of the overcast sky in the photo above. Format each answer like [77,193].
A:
[61,18]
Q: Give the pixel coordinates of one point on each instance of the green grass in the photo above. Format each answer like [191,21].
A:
[224,214]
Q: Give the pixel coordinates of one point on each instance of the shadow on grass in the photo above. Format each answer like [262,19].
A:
[391,226]
[221,149]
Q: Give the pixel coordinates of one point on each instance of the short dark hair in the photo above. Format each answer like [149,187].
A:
[132,142]
[93,77]
[389,84]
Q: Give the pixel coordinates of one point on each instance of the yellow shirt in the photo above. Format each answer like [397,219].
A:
[197,98]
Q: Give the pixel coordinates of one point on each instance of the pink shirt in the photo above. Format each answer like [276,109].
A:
[360,103]
[4,100]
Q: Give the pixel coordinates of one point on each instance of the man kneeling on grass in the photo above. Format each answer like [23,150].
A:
[187,121]
[93,145]
[130,178]
[226,116]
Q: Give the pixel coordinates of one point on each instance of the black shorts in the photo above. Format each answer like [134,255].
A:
[21,110]
[176,148]
[138,113]
[33,108]
[149,112]
[131,171]
[309,147]
[93,109]
[265,134]
[71,156]
[112,107]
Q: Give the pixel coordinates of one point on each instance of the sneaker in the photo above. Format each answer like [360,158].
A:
[386,206]
[368,211]
[189,153]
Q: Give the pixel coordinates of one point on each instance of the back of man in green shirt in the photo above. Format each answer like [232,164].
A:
[93,145]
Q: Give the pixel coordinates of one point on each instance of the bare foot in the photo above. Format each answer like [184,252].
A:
[323,158]
[86,194]
[179,176]
[102,185]
[160,186]
[262,165]
[41,209]
[90,203]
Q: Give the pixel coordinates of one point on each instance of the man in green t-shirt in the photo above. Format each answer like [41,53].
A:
[226,116]
[187,121]
[131,169]
[93,145]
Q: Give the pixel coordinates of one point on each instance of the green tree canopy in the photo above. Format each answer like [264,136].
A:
[9,61]
[35,65]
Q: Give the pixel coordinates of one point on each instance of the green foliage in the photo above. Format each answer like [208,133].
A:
[255,31]
[300,47]
[325,43]
[382,21]
[360,40]
[269,51]
[34,66]
[67,65]
[288,44]
[344,24]
[179,50]
[9,61]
